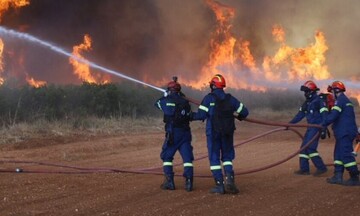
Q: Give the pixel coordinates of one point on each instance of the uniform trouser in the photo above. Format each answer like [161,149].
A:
[310,152]
[343,157]
[182,143]
[220,148]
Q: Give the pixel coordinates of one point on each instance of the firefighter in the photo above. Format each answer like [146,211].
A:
[315,112]
[218,109]
[342,118]
[177,112]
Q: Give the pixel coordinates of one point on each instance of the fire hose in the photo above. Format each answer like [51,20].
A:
[155,170]
[83,170]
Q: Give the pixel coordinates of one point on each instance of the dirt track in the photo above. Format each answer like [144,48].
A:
[275,191]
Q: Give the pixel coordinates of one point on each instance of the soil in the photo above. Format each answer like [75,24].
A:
[275,191]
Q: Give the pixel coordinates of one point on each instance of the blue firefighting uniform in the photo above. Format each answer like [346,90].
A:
[177,137]
[314,111]
[220,147]
[345,130]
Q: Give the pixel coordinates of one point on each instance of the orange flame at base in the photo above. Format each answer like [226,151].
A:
[6,4]
[81,69]
[37,84]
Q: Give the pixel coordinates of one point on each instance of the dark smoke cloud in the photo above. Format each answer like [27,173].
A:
[153,39]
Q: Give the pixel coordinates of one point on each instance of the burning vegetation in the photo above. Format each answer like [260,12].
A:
[227,53]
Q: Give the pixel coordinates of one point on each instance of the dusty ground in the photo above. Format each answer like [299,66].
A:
[275,191]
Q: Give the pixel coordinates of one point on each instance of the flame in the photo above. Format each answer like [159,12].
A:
[302,63]
[81,69]
[233,58]
[6,4]
[225,51]
[35,83]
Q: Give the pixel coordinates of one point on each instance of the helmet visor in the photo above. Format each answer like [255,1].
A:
[304,89]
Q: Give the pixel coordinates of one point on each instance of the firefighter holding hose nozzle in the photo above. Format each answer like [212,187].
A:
[342,118]
[314,112]
[177,113]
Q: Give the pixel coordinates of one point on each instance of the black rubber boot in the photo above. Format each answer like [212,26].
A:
[219,187]
[353,180]
[336,179]
[168,183]
[230,186]
[189,184]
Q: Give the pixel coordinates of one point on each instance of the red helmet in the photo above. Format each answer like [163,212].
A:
[174,86]
[309,86]
[218,81]
[337,86]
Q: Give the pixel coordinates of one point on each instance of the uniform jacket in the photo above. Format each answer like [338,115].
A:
[343,117]
[167,105]
[313,109]
[206,109]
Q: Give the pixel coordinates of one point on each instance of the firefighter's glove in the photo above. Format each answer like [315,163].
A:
[240,117]
[323,133]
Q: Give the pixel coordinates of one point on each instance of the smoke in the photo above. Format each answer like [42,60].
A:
[152,40]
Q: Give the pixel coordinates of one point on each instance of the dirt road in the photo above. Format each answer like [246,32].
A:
[276,191]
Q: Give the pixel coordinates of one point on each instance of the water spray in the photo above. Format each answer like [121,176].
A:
[28,37]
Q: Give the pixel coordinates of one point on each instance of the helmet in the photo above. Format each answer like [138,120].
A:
[218,81]
[337,86]
[309,86]
[174,86]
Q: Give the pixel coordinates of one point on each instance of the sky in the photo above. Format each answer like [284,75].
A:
[153,39]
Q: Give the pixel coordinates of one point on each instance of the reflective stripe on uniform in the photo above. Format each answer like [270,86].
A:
[304,156]
[240,108]
[212,104]
[313,154]
[350,164]
[204,108]
[324,109]
[188,165]
[336,108]
[217,167]
[167,163]
[337,162]
[170,104]
[227,163]
[349,104]
[158,104]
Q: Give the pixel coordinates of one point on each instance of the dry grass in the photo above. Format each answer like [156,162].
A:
[91,127]
[88,127]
